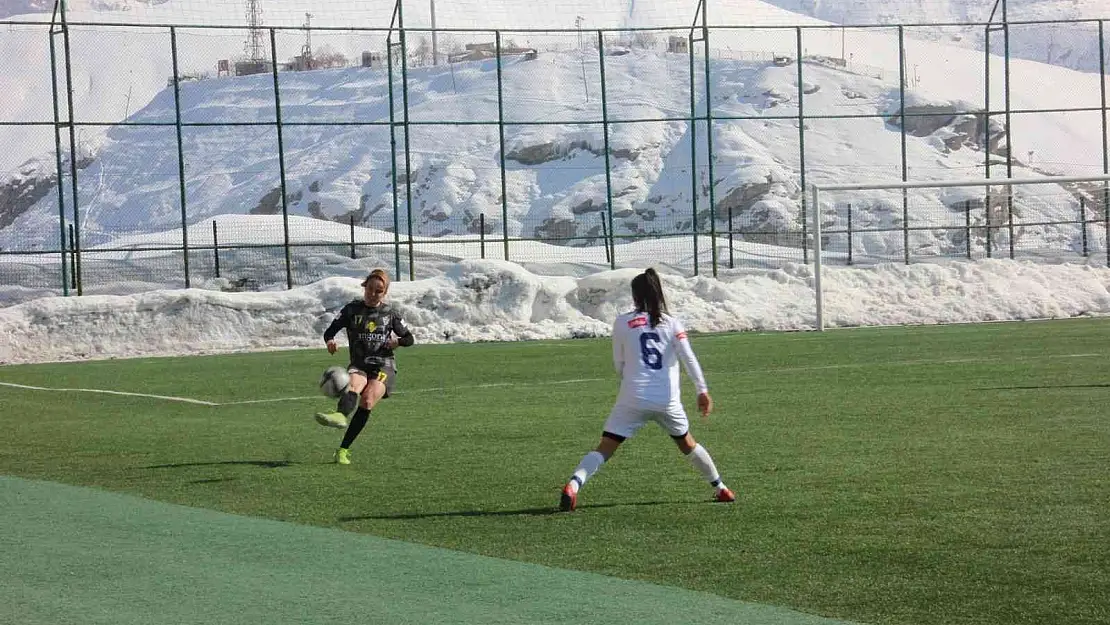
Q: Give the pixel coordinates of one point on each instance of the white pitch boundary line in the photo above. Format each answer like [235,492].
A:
[266,401]
[187,400]
[440,389]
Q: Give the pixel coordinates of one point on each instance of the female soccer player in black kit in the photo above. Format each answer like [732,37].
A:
[374,330]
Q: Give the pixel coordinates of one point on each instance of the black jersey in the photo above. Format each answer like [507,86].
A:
[368,331]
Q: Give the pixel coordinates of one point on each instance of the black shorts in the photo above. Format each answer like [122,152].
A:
[384,373]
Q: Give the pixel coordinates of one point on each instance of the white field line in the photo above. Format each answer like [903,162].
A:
[187,400]
[267,401]
[440,389]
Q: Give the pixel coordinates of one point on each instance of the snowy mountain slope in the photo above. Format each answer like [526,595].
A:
[1072,45]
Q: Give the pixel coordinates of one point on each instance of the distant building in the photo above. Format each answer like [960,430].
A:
[479,51]
[371,59]
[246,68]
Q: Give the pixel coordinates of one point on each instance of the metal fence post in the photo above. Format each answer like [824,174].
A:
[281,162]
[352,218]
[393,158]
[693,151]
[802,147]
[605,138]
[709,138]
[967,227]
[408,129]
[180,153]
[216,247]
[605,240]
[58,162]
[72,255]
[501,144]
[1009,126]
[1105,133]
[731,262]
[849,234]
[987,222]
[1083,223]
[1106,220]
[78,280]
[902,136]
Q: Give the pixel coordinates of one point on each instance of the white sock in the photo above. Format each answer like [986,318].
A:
[589,465]
[703,462]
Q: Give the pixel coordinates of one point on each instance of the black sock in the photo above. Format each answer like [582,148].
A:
[347,403]
[358,421]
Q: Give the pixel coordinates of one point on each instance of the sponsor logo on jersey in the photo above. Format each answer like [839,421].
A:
[371,326]
[681,336]
[637,322]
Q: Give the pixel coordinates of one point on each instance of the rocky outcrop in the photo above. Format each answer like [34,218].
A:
[20,194]
[546,152]
[22,191]
[956,129]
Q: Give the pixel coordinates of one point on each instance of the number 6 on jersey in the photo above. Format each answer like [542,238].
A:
[649,350]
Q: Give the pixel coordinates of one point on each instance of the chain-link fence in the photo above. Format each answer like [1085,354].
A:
[175,156]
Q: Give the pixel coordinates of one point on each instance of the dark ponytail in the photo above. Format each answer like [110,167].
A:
[647,294]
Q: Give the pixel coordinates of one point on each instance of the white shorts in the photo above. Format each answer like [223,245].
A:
[627,420]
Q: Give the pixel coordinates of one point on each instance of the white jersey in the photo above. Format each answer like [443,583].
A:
[647,360]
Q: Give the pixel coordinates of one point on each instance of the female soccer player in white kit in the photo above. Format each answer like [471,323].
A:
[648,344]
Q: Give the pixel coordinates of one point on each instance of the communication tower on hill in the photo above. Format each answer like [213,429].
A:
[254,46]
[306,49]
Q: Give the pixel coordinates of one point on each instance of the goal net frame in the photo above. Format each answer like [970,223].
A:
[994,184]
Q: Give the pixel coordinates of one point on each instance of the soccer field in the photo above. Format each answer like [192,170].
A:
[925,475]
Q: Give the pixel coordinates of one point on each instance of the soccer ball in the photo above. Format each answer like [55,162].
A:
[334,381]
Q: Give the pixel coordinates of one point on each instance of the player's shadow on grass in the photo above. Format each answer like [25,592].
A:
[1042,387]
[554,509]
[265,464]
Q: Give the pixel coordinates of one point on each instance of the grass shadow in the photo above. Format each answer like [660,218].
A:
[554,509]
[266,464]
